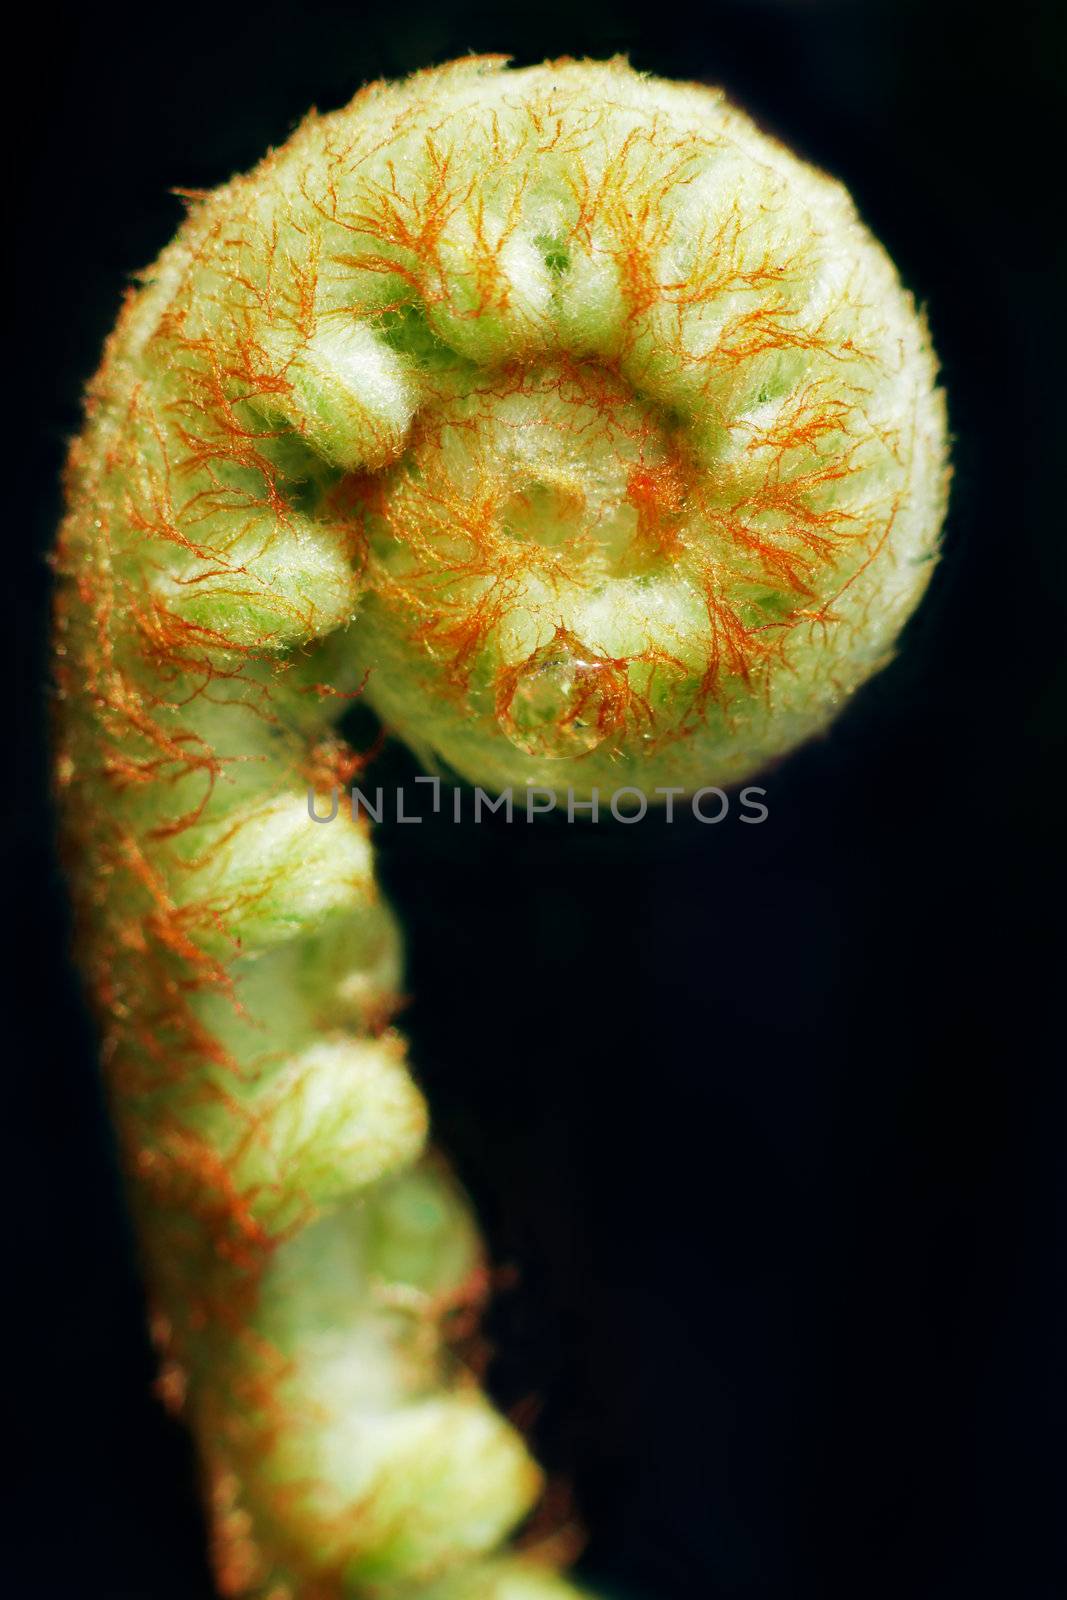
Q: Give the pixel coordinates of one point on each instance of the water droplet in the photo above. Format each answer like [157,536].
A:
[557,704]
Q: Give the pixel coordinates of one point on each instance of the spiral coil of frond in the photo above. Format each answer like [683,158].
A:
[588,433]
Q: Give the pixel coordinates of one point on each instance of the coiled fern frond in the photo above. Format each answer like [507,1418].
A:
[588,434]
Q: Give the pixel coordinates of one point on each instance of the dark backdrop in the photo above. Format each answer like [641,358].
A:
[769,1117]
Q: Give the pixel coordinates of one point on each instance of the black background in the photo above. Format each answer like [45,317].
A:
[769,1117]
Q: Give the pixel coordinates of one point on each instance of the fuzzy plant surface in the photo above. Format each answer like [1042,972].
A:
[588,434]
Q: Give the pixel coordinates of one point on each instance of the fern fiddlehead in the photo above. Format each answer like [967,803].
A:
[588,434]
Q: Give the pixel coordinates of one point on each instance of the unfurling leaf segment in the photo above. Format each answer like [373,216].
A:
[587,433]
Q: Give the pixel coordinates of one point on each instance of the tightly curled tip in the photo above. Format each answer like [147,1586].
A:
[589,434]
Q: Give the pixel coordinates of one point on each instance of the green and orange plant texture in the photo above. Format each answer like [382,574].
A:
[585,432]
